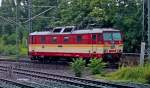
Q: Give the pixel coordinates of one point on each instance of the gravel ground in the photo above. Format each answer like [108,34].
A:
[49,68]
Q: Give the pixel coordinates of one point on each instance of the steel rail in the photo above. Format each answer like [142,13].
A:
[132,54]
[65,79]
[23,61]
[16,83]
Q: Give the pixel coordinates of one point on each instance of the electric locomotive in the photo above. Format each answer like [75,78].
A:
[67,42]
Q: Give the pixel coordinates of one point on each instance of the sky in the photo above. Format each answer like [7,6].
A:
[0,2]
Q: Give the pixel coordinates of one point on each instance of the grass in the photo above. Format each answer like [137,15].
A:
[136,74]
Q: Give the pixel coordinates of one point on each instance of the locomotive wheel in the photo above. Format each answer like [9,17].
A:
[33,58]
[87,61]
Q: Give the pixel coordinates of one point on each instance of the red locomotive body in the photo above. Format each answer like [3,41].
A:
[66,42]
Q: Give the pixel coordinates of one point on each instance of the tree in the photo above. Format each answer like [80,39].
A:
[125,15]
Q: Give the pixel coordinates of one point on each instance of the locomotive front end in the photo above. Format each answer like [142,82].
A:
[113,46]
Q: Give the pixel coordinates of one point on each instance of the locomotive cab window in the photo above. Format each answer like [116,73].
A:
[94,37]
[66,39]
[54,39]
[116,36]
[42,39]
[79,38]
[107,36]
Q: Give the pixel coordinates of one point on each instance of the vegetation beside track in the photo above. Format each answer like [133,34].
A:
[10,49]
[138,74]
[78,65]
[95,66]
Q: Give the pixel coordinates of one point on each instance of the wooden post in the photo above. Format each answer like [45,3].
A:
[142,53]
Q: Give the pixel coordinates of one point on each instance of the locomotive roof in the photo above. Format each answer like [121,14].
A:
[85,31]
[41,33]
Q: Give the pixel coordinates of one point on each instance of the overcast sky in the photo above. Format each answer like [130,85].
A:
[0,2]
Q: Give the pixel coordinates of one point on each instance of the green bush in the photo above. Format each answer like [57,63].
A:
[9,50]
[9,39]
[96,66]
[78,66]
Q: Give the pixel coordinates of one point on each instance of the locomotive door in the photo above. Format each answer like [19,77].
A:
[62,44]
[94,44]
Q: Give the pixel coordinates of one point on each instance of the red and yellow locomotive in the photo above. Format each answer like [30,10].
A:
[66,42]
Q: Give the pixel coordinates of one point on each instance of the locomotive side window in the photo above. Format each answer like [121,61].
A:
[67,30]
[79,38]
[54,39]
[42,39]
[57,30]
[99,37]
[93,36]
[66,39]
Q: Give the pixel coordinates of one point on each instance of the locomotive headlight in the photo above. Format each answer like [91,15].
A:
[120,51]
[112,46]
[120,46]
[105,50]
[32,50]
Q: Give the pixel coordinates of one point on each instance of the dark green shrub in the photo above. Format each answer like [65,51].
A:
[78,66]
[9,50]
[9,39]
[96,66]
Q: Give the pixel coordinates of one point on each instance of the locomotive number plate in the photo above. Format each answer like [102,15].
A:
[112,51]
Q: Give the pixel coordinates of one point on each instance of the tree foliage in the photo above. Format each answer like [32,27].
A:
[125,15]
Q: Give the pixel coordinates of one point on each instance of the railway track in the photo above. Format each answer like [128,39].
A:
[16,84]
[63,79]
[85,83]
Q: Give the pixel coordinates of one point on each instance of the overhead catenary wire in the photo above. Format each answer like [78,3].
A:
[37,15]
